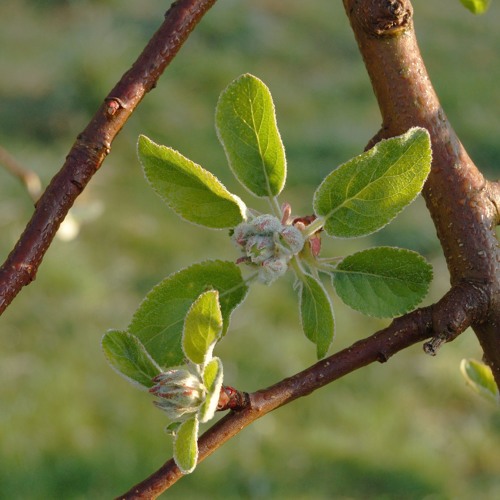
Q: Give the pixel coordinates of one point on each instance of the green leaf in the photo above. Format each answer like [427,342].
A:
[159,320]
[186,445]
[202,327]
[367,192]
[212,379]
[188,189]
[316,314]
[480,377]
[382,281]
[246,126]
[126,354]
[476,6]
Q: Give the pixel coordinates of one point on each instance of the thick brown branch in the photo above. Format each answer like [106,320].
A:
[400,334]
[457,195]
[93,145]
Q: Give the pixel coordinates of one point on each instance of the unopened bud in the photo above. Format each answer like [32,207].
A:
[272,269]
[292,238]
[180,392]
[260,248]
[266,224]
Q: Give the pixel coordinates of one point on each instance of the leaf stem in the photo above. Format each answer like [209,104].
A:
[314,227]
[275,206]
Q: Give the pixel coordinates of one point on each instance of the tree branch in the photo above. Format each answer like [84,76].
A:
[457,195]
[28,178]
[400,334]
[93,145]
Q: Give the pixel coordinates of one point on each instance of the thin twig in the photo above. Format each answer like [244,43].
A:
[28,178]
[93,145]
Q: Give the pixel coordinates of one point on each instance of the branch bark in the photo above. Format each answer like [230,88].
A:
[461,202]
[94,144]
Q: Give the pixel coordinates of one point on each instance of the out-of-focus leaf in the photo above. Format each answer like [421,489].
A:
[476,6]
[480,377]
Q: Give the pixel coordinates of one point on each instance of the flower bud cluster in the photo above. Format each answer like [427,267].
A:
[180,391]
[268,244]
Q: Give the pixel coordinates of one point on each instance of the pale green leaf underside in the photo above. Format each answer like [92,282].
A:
[191,191]
[316,314]
[476,6]
[246,126]
[480,377]
[382,281]
[186,445]
[212,378]
[126,354]
[367,192]
[159,320]
[202,327]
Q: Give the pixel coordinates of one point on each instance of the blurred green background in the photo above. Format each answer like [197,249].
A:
[69,426]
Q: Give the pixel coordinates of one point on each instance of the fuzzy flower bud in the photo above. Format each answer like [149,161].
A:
[292,238]
[268,243]
[259,248]
[266,224]
[180,391]
[272,269]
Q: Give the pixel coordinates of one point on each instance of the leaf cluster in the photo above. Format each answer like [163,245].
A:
[178,323]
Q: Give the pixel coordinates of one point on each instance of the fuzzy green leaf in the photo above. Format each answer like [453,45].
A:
[212,379]
[186,445]
[367,192]
[159,320]
[188,189]
[382,281]
[316,314]
[480,377]
[126,354]
[202,327]
[246,126]
[476,6]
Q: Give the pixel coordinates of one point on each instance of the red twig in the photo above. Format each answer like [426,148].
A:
[93,145]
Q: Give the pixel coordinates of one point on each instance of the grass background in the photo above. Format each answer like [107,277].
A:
[69,426]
